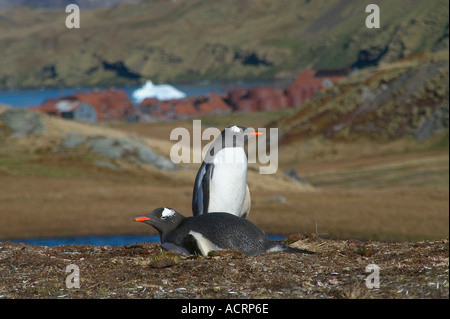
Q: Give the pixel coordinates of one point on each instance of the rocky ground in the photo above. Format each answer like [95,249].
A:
[22,123]
[336,270]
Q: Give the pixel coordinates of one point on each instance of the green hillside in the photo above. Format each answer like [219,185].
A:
[193,40]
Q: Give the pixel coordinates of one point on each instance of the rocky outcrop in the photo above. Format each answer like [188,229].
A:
[107,149]
[437,122]
[408,97]
[22,122]
[115,148]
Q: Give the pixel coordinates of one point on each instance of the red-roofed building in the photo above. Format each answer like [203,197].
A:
[110,105]
[152,109]
[93,107]
[184,108]
[302,88]
[211,104]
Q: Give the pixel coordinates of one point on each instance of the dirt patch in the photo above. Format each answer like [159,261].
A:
[105,204]
[337,270]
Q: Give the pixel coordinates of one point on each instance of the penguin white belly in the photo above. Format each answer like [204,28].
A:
[227,188]
[203,243]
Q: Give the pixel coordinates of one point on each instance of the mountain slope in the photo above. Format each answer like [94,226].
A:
[408,97]
[61,4]
[191,40]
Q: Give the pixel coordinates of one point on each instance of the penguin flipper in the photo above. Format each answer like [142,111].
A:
[247,204]
[200,197]
[298,251]
[175,248]
[200,243]
[281,246]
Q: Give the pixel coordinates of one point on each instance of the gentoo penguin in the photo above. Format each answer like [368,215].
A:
[221,181]
[204,233]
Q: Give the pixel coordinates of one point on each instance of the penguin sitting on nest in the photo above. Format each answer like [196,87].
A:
[221,181]
[211,232]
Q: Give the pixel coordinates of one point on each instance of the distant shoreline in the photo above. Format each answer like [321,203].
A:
[28,97]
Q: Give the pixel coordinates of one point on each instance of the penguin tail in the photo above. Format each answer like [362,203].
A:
[298,251]
[281,246]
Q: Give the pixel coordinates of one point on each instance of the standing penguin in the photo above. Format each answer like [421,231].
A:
[221,181]
[208,232]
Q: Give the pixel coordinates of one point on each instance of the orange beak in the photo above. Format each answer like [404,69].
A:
[255,133]
[142,218]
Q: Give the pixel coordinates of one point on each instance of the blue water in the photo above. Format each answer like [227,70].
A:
[26,98]
[114,240]
[36,97]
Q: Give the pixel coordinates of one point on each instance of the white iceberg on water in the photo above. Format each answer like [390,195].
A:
[159,91]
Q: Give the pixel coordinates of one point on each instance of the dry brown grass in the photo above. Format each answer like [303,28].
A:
[407,270]
[34,206]
[362,189]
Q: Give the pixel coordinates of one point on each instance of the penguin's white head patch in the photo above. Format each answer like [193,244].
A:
[235,129]
[167,212]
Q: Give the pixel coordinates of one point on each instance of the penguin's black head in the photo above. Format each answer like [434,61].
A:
[237,135]
[163,219]
[231,136]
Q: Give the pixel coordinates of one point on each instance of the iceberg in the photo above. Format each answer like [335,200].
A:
[159,91]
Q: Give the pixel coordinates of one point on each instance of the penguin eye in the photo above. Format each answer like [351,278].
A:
[163,217]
